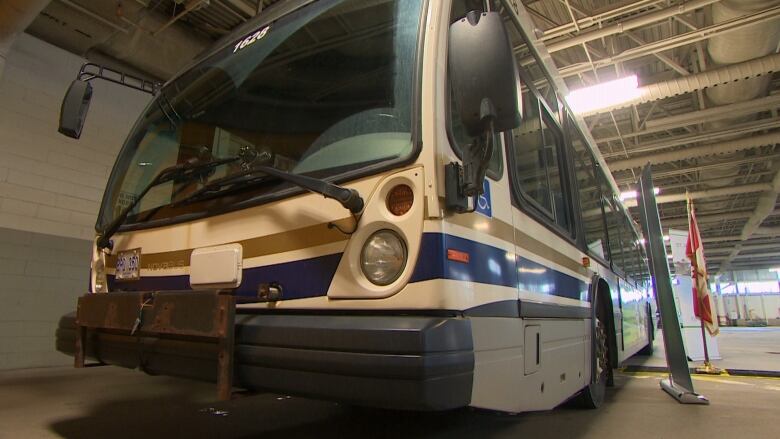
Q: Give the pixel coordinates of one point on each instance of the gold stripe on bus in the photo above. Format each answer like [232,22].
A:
[506,232]
[306,237]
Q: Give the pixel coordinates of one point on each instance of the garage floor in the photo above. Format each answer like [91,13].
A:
[753,350]
[109,402]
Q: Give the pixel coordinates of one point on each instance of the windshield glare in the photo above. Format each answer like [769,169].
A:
[323,91]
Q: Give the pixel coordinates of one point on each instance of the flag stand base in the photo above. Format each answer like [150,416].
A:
[682,395]
[709,369]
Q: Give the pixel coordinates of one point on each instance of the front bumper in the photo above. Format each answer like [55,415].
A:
[402,362]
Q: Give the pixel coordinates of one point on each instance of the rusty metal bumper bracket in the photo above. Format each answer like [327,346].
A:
[206,316]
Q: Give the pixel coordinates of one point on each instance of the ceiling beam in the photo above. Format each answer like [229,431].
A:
[707,193]
[673,42]
[704,136]
[696,151]
[624,25]
[243,6]
[596,19]
[709,218]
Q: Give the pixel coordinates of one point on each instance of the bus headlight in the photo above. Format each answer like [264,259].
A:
[383,257]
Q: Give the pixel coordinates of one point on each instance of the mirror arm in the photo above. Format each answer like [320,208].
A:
[90,71]
[477,158]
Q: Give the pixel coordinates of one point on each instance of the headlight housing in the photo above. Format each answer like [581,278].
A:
[383,257]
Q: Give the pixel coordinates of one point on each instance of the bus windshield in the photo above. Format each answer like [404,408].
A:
[324,91]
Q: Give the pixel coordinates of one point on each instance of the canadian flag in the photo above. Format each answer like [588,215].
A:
[703,306]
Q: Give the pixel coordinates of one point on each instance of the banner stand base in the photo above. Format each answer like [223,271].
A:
[682,395]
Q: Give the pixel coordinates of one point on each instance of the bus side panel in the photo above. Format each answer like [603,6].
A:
[511,375]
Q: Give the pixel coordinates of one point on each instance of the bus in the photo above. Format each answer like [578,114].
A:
[378,202]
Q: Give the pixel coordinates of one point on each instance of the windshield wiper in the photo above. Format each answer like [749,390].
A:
[349,198]
[188,170]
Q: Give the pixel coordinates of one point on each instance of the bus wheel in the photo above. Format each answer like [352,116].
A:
[592,396]
[648,349]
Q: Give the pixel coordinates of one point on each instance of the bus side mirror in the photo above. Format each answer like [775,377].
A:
[482,70]
[74,108]
[483,74]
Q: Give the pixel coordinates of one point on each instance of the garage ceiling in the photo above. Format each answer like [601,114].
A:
[708,124]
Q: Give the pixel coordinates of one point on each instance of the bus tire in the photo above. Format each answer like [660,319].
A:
[648,349]
[592,396]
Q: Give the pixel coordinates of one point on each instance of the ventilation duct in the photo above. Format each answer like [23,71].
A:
[759,40]
[751,42]
[709,79]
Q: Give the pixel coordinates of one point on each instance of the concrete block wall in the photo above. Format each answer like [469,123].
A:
[50,191]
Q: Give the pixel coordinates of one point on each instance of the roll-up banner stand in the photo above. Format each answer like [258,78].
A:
[679,384]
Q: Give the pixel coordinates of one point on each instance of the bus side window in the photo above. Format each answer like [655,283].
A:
[614,224]
[589,189]
[536,146]
[455,130]
[538,170]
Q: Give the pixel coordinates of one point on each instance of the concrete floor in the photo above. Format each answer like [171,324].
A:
[115,403]
[109,402]
[748,349]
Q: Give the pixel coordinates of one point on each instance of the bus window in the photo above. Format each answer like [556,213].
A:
[532,71]
[455,130]
[538,170]
[589,195]
[614,224]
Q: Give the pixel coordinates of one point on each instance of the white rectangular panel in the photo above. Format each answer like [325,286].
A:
[218,267]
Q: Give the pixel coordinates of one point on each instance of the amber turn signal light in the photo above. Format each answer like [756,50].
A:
[400,199]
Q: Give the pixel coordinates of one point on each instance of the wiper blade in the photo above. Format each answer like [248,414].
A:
[188,170]
[349,198]
[218,186]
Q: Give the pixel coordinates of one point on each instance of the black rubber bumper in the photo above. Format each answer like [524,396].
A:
[402,362]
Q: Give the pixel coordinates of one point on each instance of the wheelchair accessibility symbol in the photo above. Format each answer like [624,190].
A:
[483,201]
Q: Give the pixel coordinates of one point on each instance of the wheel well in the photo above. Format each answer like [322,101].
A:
[604,299]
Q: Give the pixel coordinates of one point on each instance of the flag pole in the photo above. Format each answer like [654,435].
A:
[708,368]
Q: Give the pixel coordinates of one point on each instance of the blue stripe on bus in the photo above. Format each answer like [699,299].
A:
[299,279]
[492,265]
[312,277]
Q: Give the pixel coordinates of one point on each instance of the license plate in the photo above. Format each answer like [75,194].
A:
[128,265]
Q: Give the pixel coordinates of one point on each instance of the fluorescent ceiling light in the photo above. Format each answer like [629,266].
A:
[604,95]
[775,269]
[629,195]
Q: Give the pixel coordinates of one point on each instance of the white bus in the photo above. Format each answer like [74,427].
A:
[397,198]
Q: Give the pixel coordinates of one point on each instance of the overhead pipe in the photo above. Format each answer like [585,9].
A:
[15,16]
[697,151]
[765,65]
